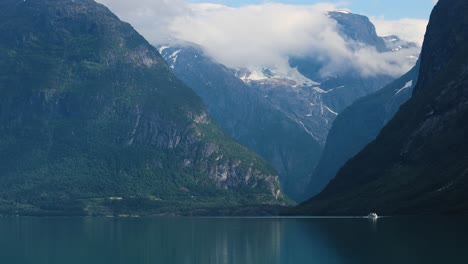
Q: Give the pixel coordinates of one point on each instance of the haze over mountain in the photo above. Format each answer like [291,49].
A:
[303,100]
[418,163]
[94,122]
[255,35]
[247,116]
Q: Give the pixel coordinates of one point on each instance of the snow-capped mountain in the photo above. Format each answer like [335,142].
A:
[313,100]
[247,116]
[299,94]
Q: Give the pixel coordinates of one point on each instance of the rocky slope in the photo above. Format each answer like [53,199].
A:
[419,162]
[244,114]
[317,105]
[93,121]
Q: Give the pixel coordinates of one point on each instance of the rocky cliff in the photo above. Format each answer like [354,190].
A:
[245,115]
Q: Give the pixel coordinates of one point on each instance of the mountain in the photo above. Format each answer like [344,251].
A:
[418,164]
[93,122]
[343,88]
[358,28]
[313,99]
[284,115]
[245,115]
[358,125]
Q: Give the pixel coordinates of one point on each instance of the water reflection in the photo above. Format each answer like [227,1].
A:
[373,223]
[245,241]
[162,240]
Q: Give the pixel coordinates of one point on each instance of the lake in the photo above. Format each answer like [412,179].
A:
[233,240]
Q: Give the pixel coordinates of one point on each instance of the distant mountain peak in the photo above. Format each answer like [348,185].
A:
[342,11]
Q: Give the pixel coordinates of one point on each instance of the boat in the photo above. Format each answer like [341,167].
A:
[372,216]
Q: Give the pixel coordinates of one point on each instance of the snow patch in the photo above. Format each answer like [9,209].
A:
[254,75]
[330,110]
[343,11]
[319,90]
[173,57]
[407,85]
[162,48]
[274,74]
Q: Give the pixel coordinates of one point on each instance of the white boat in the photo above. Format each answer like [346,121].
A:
[372,216]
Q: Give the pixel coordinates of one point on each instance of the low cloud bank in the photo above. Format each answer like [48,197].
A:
[267,35]
[409,29]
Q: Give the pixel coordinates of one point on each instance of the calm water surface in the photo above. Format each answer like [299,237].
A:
[233,240]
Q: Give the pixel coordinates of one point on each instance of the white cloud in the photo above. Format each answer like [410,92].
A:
[264,35]
[258,34]
[151,18]
[408,29]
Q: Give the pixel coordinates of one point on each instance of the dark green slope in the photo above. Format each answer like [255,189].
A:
[419,162]
[358,125]
[89,110]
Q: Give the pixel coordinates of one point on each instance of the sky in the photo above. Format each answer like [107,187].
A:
[390,9]
[257,34]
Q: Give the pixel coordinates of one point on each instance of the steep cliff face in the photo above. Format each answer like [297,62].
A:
[419,162]
[358,28]
[89,111]
[358,125]
[245,115]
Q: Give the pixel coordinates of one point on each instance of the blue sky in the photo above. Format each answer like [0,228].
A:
[390,9]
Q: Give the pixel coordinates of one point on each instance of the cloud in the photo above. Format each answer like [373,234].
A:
[265,35]
[151,18]
[408,29]
[258,34]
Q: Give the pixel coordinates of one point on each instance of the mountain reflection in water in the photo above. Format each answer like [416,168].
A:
[233,240]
